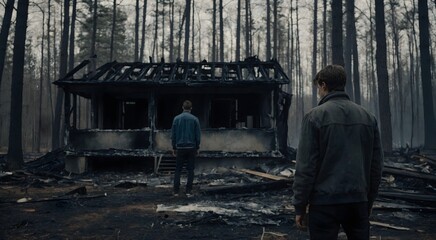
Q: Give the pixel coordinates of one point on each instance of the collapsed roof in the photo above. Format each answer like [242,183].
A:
[249,71]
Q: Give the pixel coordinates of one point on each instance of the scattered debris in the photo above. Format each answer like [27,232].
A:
[130,184]
[408,173]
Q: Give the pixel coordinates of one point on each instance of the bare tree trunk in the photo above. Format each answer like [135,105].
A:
[383,78]
[348,48]
[62,71]
[373,82]
[171,31]
[298,59]
[275,49]
[156,19]
[4,33]
[288,56]
[397,55]
[94,35]
[356,73]
[427,92]
[291,78]
[180,34]
[136,54]
[193,31]
[214,32]
[114,19]
[221,32]
[49,85]
[411,83]
[15,151]
[199,38]
[41,83]
[337,49]
[324,26]
[248,44]
[238,33]
[71,57]
[314,51]
[72,35]
[162,45]
[268,30]
[142,48]
[187,31]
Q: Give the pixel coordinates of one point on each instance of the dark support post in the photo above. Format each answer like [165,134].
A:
[74,111]
[151,118]
[94,111]
[67,112]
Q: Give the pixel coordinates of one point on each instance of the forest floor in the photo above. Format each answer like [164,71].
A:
[110,204]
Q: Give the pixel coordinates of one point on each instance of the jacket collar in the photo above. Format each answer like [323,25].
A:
[333,94]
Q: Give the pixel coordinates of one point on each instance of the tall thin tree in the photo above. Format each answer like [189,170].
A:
[337,49]
[62,71]
[268,30]
[221,8]
[348,47]
[248,28]
[144,14]
[314,50]
[187,25]
[324,33]
[15,150]
[136,54]
[238,32]
[114,19]
[171,31]
[4,33]
[214,32]
[427,93]
[275,40]
[382,77]
[355,53]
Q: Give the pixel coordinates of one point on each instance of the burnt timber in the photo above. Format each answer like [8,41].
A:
[241,107]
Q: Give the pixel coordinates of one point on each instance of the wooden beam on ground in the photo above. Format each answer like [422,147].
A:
[65,198]
[427,158]
[264,175]
[389,206]
[246,188]
[380,224]
[407,173]
[413,197]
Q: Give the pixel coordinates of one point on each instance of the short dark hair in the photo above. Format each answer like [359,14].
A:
[187,105]
[333,76]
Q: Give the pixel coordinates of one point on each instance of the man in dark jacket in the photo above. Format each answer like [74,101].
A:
[185,138]
[339,163]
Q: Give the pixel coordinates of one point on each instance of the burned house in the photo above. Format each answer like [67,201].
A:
[241,107]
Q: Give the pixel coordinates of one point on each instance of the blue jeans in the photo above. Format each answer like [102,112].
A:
[188,156]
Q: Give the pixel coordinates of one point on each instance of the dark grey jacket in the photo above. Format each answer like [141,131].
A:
[185,132]
[339,157]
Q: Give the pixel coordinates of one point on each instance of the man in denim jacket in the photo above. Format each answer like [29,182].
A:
[339,163]
[185,138]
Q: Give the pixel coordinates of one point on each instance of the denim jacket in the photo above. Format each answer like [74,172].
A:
[185,132]
[339,157]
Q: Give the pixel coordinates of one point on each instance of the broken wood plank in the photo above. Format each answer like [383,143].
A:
[264,175]
[427,158]
[380,224]
[245,188]
[407,173]
[71,197]
[389,206]
[412,197]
